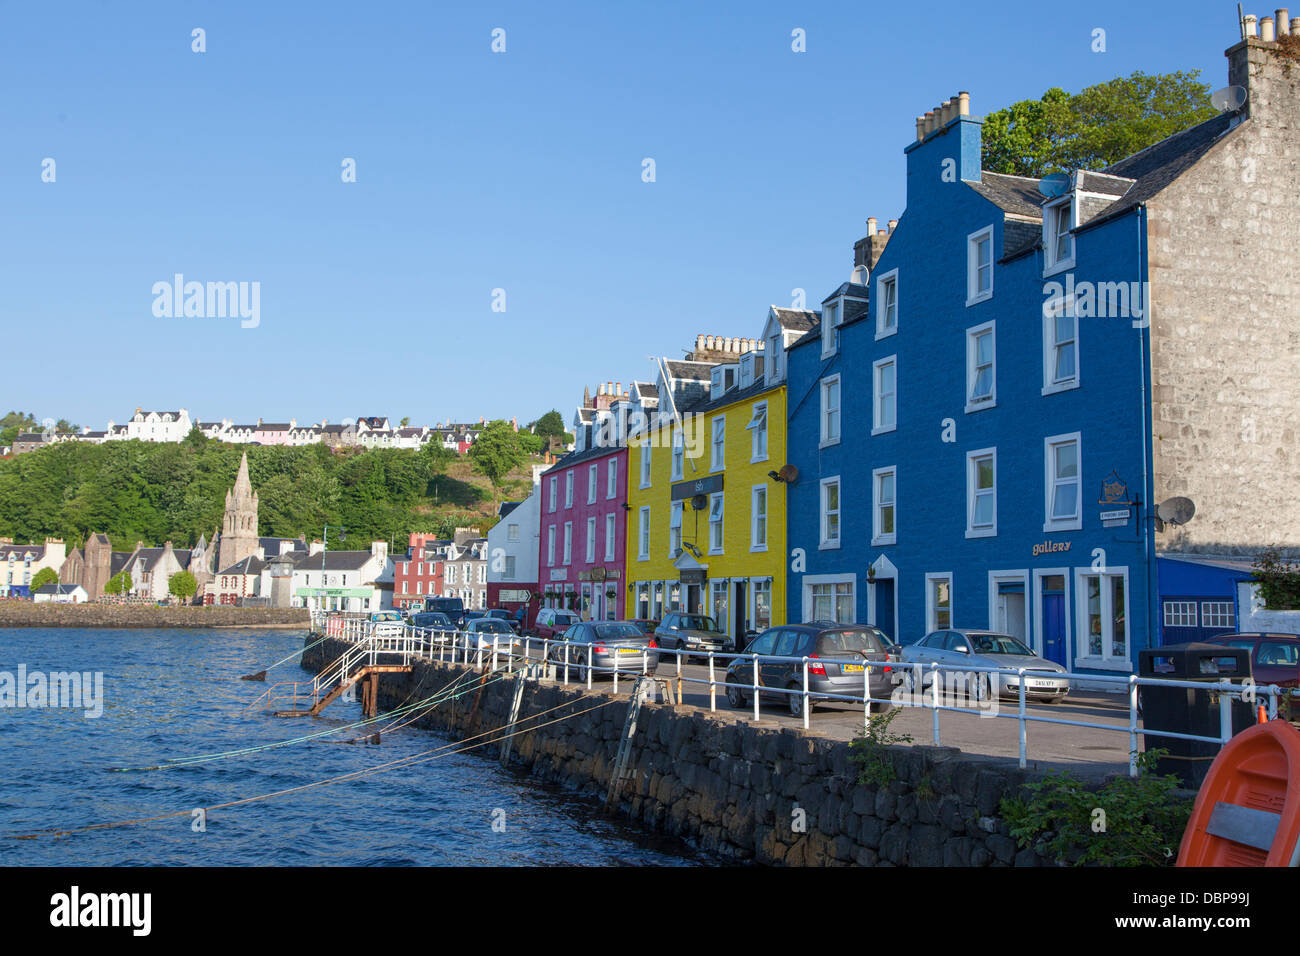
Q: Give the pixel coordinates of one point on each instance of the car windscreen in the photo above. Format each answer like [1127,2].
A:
[852,642]
[564,620]
[492,626]
[619,630]
[998,644]
[696,622]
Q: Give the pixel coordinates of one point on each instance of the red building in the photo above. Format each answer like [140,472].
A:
[420,573]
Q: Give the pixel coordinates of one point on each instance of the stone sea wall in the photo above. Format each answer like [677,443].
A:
[731,787]
[31,614]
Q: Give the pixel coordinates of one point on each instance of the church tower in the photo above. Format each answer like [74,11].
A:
[239,528]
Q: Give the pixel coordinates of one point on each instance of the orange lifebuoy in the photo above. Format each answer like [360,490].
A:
[1247,812]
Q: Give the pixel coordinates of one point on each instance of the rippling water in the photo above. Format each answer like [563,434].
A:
[176,693]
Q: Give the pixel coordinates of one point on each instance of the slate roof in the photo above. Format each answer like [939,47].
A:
[795,320]
[57,588]
[732,396]
[646,390]
[506,507]
[335,561]
[692,371]
[250,565]
[1016,195]
[587,454]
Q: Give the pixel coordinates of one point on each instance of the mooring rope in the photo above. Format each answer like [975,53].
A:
[424,757]
[261,675]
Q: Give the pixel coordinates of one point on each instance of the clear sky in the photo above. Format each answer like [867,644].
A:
[475,171]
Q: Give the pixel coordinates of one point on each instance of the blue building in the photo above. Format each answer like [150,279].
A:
[972,416]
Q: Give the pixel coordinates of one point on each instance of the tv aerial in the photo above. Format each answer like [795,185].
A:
[1174,511]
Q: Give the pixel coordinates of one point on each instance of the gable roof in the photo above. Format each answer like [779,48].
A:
[794,320]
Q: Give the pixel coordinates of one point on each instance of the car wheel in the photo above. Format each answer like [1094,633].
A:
[879,708]
[794,702]
[735,698]
[981,690]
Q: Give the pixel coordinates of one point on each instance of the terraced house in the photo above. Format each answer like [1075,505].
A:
[706,518]
[984,440]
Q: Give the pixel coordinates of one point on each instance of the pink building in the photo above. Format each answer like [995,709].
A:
[583,527]
[273,433]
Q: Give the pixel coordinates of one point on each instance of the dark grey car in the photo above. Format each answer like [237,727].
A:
[691,632]
[838,657]
[604,645]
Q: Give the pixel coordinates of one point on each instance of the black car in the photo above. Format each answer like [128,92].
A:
[453,607]
[838,654]
[501,614]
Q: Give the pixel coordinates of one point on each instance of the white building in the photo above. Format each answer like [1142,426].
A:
[155,426]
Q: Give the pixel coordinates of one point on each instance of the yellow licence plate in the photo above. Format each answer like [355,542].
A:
[852,667]
[629,650]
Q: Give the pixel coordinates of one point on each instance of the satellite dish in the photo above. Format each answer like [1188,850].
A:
[788,473]
[1176,510]
[1229,99]
[700,502]
[1054,185]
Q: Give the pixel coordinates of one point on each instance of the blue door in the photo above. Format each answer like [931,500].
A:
[885,606]
[1052,602]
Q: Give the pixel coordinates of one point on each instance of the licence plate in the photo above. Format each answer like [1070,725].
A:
[852,668]
[629,650]
[1041,683]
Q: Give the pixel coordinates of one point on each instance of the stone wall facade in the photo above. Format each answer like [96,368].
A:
[1224,239]
[733,788]
[30,614]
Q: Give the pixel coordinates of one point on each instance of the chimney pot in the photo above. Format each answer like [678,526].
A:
[871,225]
[920,128]
[948,111]
[893,224]
[1266,30]
[1283,21]
[963,104]
[1252,25]
[929,122]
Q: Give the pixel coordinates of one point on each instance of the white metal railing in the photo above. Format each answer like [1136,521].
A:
[499,651]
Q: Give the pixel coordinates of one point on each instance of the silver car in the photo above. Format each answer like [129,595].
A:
[691,632]
[966,647]
[607,646]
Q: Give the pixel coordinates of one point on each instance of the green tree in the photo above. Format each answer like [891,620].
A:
[119,583]
[43,577]
[182,585]
[1095,127]
[497,452]
[550,425]
[1278,579]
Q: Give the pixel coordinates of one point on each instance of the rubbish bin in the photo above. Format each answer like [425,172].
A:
[1185,710]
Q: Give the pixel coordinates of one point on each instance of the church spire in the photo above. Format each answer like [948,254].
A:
[242,485]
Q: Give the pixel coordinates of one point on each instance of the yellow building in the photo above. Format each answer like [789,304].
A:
[706,517]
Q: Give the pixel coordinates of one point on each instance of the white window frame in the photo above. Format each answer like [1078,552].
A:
[931,605]
[835,581]
[591,539]
[882,282]
[1066,306]
[718,443]
[757,434]
[645,463]
[676,512]
[611,479]
[568,488]
[1175,611]
[643,534]
[973,458]
[593,481]
[678,453]
[1049,482]
[757,542]
[973,294]
[879,537]
[878,425]
[832,317]
[823,386]
[717,526]
[973,335]
[1051,231]
[1107,660]
[555,481]
[1212,611]
[568,542]
[824,542]
[611,535]
[550,548]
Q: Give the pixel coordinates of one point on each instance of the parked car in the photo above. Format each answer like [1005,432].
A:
[439,626]
[600,644]
[387,623]
[1274,658]
[691,632]
[453,607]
[966,647]
[552,622]
[501,614]
[484,633]
[837,654]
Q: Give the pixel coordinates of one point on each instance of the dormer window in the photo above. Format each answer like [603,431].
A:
[747,370]
[1058,241]
[832,315]
[722,380]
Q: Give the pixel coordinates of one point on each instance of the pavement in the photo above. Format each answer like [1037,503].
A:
[1089,752]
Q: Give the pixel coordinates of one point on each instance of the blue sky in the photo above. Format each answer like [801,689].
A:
[475,171]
